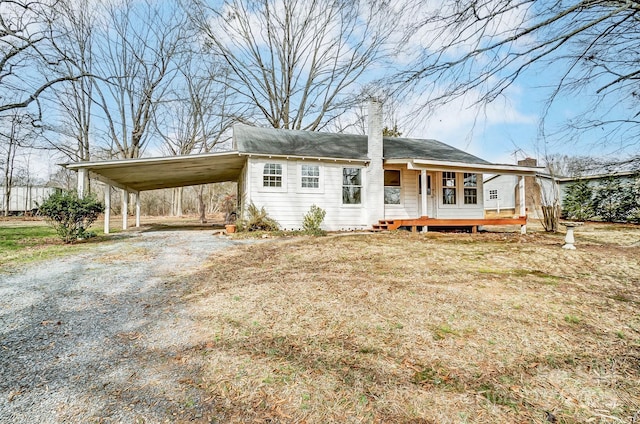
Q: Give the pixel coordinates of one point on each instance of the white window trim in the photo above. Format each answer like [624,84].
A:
[260,171]
[476,188]
[363,185]
[460,191]
[401,187]
[299,188]
[441,187]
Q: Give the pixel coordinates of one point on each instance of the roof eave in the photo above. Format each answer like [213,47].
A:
[484,168]
[142,161]
[302,157]
[599,176]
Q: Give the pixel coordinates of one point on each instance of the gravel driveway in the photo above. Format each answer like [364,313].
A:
[96,337]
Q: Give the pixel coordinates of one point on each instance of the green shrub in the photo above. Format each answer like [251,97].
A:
[633,214]
[255,219]
[313,220]
[615,200]
[578,202]
[70,215]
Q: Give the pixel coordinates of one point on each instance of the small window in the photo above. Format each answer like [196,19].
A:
[493,194]
[392,187]
[470,188]
[351,186]
[272,175]
[449,188]
[310,175]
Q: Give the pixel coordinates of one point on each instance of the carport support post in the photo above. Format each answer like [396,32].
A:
[107,208]
[137,209]
[125,208]
[523,203]
[82,182]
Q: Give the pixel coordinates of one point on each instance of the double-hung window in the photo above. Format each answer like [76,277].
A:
[392,187]
[310,176]
[493,194]
[272,175]
[470,182]
[351,186]
[449,188]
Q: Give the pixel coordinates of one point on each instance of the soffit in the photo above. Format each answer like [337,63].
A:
[166,172]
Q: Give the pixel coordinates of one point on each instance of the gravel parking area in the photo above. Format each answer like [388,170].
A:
[95,337]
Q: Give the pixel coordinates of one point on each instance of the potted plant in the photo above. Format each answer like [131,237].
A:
[229,206]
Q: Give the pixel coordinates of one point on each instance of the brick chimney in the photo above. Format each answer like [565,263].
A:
[533,194]
[528,162]
[375,172]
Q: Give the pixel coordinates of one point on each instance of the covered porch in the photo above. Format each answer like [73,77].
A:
[437,208]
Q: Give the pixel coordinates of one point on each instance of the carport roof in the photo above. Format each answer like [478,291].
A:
[166,172]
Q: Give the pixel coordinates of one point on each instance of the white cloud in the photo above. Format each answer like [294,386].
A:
[478,130]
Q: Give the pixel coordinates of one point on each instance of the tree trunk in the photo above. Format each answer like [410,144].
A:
[550,216]
[5,201]
[176,201]
[201,205]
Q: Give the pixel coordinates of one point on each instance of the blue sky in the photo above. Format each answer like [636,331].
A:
[511,126]
[504,131]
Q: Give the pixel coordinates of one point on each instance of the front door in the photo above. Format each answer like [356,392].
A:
[431,211]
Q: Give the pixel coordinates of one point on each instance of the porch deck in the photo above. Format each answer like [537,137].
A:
[425,221]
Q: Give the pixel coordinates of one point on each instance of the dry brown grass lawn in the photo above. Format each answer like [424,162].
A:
[436,328]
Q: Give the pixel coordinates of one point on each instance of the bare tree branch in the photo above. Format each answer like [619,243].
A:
[29,55]
[298,64]
[485,46]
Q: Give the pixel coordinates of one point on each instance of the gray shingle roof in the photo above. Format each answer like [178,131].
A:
[269,141]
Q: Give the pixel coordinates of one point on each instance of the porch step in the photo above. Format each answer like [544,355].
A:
[386,225]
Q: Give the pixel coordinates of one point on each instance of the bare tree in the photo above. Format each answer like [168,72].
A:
[76,22]
[197,120]
[298,64]
[16,132]
[485,46]
[137,58]
[29,54]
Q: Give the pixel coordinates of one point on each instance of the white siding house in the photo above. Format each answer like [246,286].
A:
[357,180]
[288,188]
[362,182]
[501,195]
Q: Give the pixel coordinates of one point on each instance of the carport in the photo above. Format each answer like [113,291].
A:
[133,176]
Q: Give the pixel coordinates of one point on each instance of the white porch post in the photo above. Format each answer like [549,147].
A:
[523,203]
[137,209]
[82,181]
[125,208]
[107,208]
[423,196]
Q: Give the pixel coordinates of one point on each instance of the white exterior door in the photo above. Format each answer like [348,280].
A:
[430,192]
